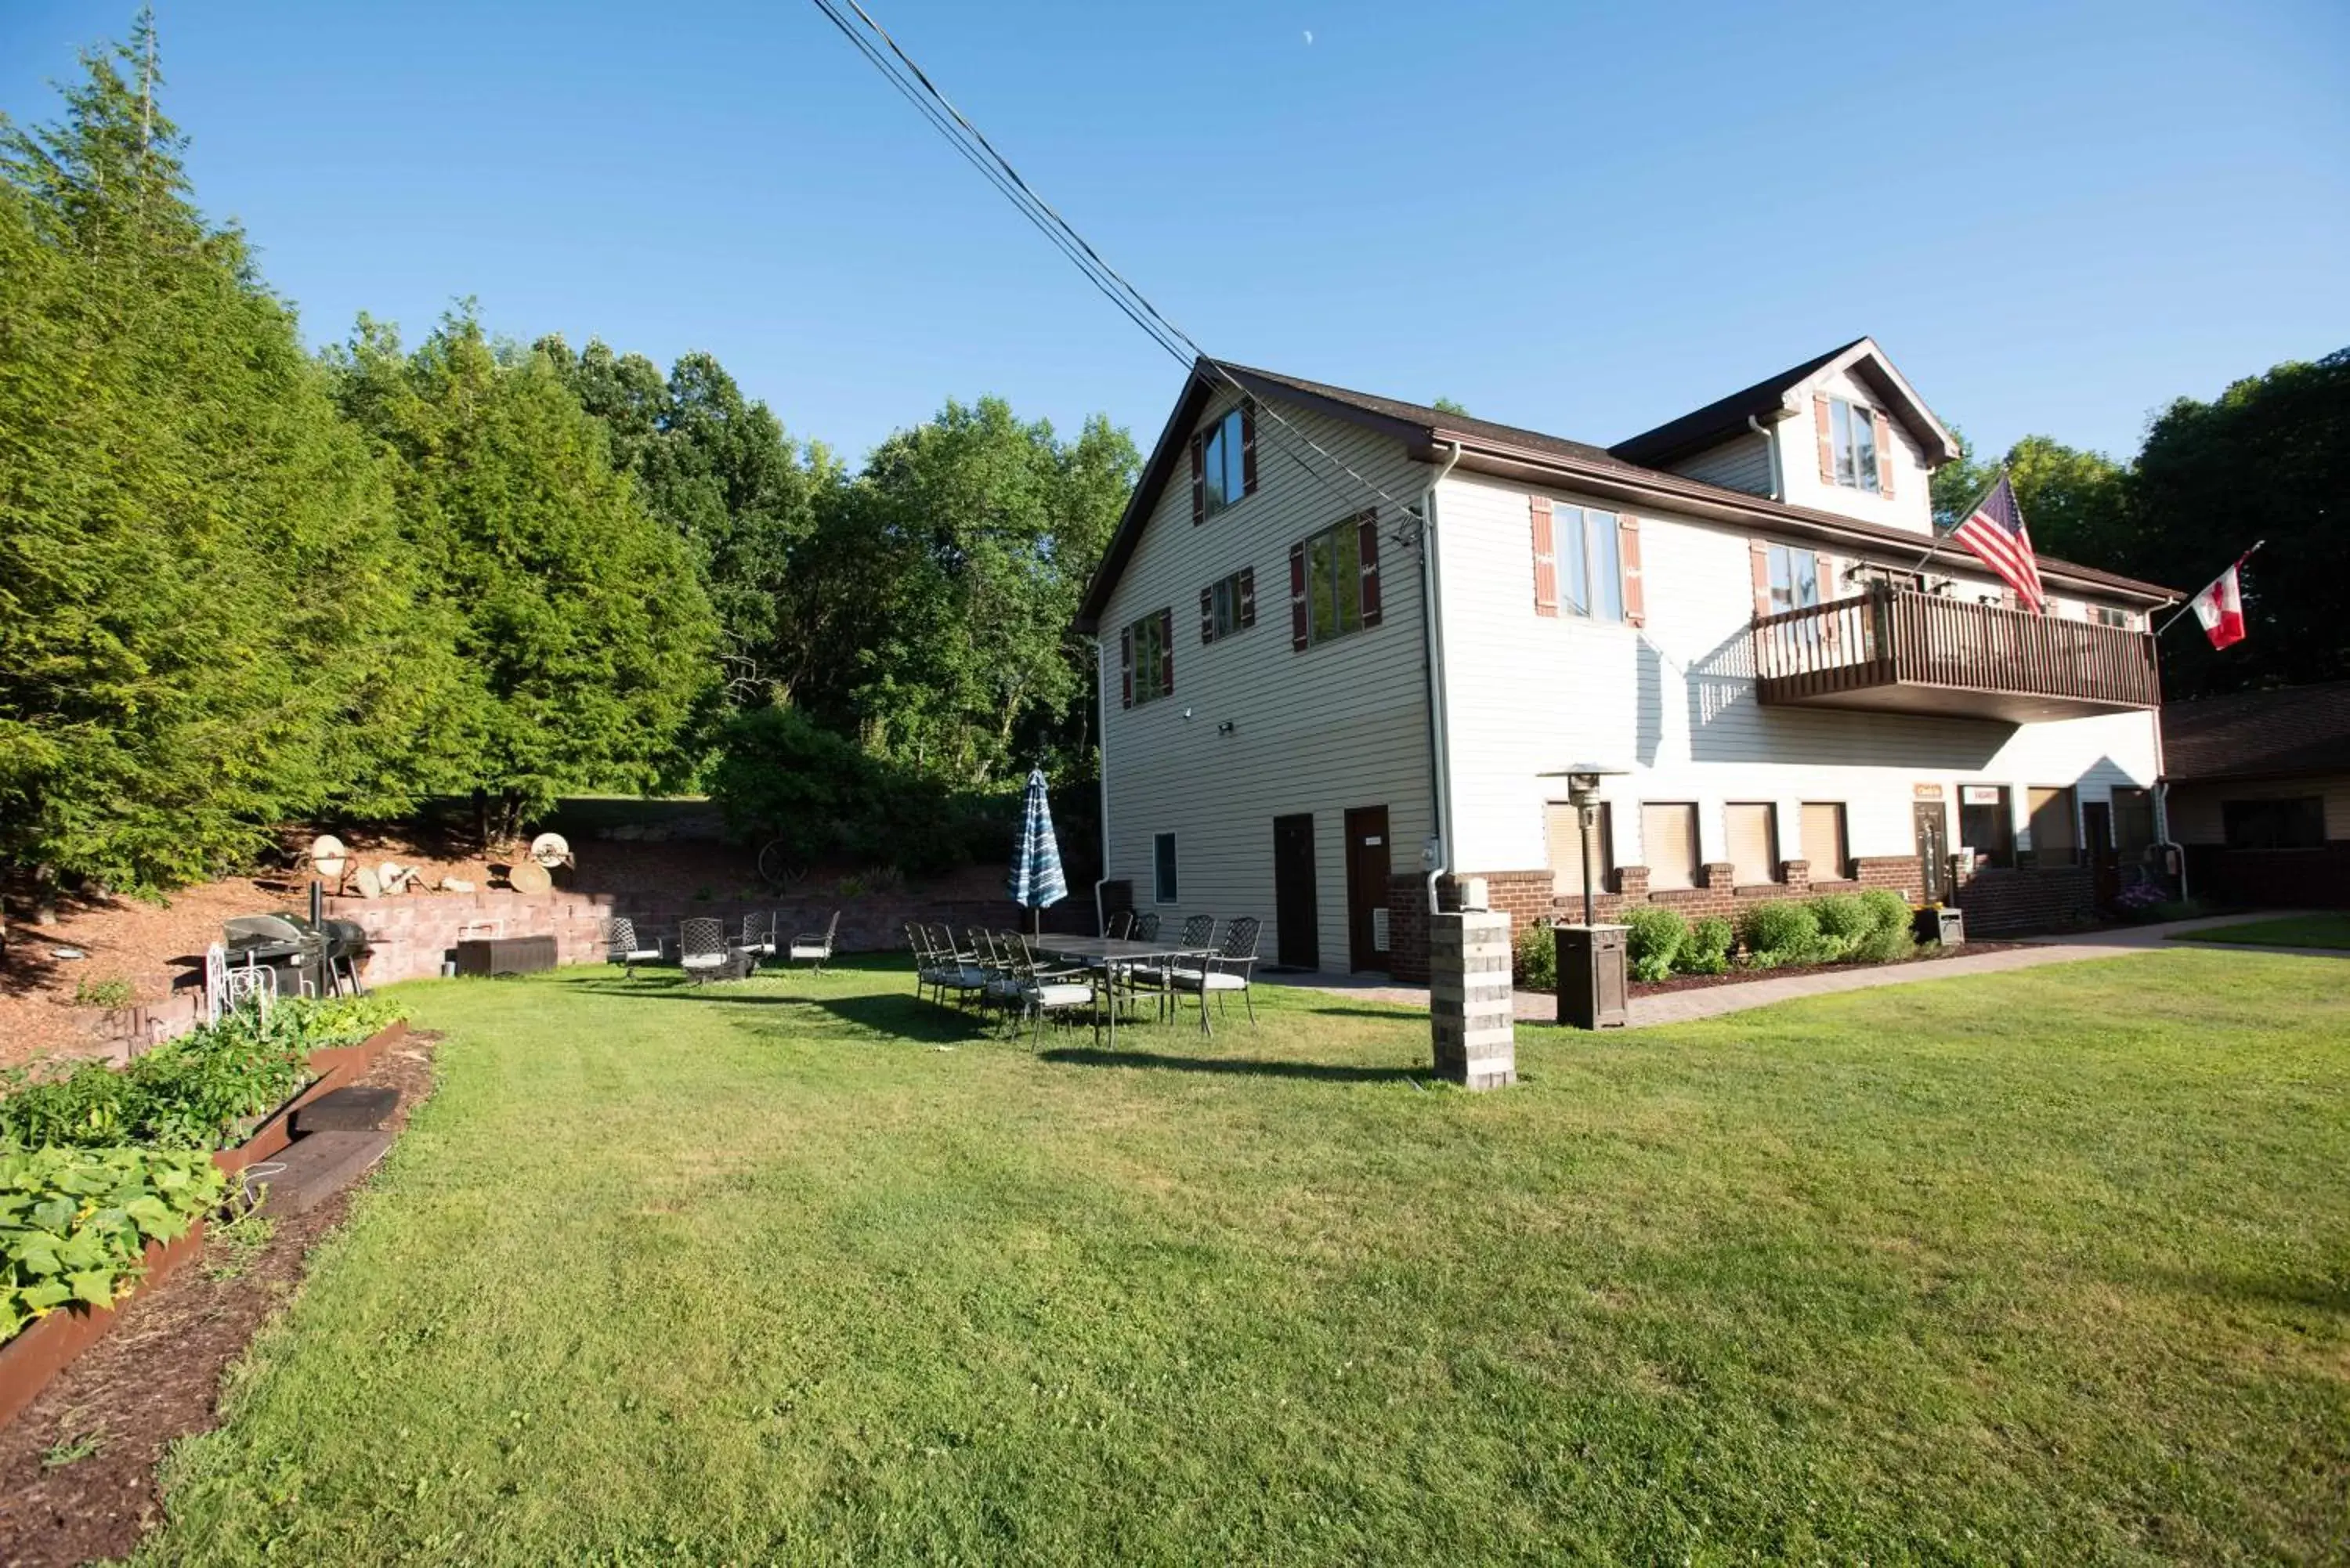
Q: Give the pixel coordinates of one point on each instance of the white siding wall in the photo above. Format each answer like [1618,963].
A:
[1911,507]
[2195,808]
[1743,462]
[1675,703]
[1341,725]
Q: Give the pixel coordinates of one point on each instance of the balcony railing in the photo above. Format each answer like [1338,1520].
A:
[1900,651]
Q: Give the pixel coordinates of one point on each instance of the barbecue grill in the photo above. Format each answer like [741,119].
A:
[311,960]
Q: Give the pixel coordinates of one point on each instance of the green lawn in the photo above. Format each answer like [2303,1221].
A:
[2049,1266]
[2287,931]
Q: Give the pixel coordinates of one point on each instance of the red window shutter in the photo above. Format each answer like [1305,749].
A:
[1298,629]
[1125,668]
[1636,602]
[1884,454]
[1207,616]
[1369,533]
[1248,447]
[1825,565]
[1759,553]
[1167,653]
[1546,557]
[1819,421]
[1199,483]
[1248,596]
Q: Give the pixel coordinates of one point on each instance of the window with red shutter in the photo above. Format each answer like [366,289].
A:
[1228,606]
[1146,651]
[1167,656]
[1636,598]
[1334,581]
[1248,596]
[1545,556]
[1207,616]
[1884,455]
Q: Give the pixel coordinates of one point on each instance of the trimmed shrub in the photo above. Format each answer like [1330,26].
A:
[1656,936]
[1535,958]
[1889,910]
[1843,921]
[1779,932]
[1707,951]
[1883,946]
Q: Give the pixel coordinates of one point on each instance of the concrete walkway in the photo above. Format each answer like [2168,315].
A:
[1711,1001]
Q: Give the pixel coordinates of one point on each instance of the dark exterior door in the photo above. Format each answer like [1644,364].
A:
[1297,933]
[1934,849]
[2104,866]
[1366,886]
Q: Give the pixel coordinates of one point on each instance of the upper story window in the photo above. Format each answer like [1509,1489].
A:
[1578,561]
[1852,437]
[1795,579]
[1228,605]
[1224,463]
[1334,581]
[2105,615]
[1146,657]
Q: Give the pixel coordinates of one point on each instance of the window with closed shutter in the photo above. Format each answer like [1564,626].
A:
[2055,841]
[1564,830]
[1824,840]
[1751,833]
[1668,843]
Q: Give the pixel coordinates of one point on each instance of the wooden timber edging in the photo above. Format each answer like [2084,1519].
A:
[29,1361]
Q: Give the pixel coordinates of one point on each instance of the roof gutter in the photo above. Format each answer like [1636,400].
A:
[1431,631]
[1771,449]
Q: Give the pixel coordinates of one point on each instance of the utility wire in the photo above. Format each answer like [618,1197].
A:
[915,85]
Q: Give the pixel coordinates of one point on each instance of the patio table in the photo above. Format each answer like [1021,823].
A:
[1110,954]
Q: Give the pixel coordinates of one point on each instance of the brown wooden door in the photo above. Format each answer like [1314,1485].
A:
[1366,886]
[2104,866]
[1934,849]
[1296,931]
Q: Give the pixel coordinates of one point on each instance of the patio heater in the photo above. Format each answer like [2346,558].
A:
[1592,989]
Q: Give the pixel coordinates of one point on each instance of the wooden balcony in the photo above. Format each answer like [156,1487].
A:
[1890,651]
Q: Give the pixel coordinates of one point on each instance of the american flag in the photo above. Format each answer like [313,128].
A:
[1995,531]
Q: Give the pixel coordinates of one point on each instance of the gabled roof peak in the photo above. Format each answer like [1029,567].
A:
[1779,397]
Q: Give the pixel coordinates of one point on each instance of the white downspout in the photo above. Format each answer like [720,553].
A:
[1101,925]
[1770,448]
[1432,632]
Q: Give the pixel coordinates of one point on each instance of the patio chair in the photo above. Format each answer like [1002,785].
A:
[703,952]
[815,946]
[999,976]
[1146,927]
[759,934]
[961,960]
[941,968]
[1225,970]
[1040,988]
[1119,926]
[622,946]
[1197,941]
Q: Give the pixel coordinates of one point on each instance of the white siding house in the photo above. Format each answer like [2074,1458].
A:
[1593,606]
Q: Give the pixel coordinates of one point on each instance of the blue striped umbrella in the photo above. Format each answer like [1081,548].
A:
[1036,878]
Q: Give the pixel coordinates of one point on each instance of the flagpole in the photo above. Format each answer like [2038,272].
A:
[1937,535]
[2180,613]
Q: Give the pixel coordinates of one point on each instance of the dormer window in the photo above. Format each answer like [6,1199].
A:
[1852,435]
[1224,463]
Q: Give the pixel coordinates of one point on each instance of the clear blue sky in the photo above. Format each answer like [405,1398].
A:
[1583,218]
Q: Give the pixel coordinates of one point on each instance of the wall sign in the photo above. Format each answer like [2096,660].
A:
[1979,794]
[1927,792]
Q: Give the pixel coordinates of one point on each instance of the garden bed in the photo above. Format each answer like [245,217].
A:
[1744,976]
[78,1466]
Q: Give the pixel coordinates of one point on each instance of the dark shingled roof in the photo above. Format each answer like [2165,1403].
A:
[2259,734]
[1701,428]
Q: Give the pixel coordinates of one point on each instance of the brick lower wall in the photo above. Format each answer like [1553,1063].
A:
[2033,898]
[412,933]
[1528,897]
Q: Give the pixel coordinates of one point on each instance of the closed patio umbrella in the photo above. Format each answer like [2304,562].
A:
[1036,878]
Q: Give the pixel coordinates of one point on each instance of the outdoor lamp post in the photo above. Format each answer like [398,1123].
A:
[1591,991]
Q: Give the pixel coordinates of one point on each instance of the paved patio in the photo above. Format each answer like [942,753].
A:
[1711,1001]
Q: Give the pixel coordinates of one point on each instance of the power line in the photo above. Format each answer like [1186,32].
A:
[969,141]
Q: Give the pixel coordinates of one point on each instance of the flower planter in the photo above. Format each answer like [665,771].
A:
[30,1360]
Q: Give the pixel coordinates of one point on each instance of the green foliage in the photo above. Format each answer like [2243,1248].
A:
[778,776]
[1707,951]
[111,991]
[201,1091]
[205,610]
[1654,941]
[1534,959]
[75,1222]
[1882,944]
[583,632]
[1780,931]
[1843,920]
[1888,910]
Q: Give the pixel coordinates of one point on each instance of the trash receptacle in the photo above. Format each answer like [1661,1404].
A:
[1592,989]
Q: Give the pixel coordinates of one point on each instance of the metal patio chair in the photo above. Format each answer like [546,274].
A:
[703,952]
[622,946]
[815,947]
[1225,970]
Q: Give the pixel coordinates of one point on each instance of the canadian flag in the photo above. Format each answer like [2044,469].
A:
[2220,609]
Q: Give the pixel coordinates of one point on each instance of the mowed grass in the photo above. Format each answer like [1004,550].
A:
[2319,930]
[2051,1266]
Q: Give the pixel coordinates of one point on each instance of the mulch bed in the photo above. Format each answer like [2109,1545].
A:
[1749,976]
[157,1379]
